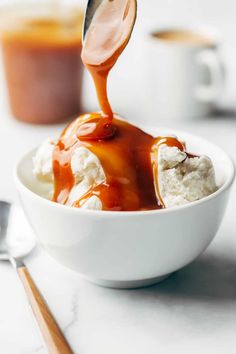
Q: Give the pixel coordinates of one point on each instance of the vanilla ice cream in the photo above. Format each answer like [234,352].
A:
[85,165]
[181,179]
[43,161]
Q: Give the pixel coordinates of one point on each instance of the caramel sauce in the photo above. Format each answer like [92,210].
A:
[126,159]
[125,152]
[43,68]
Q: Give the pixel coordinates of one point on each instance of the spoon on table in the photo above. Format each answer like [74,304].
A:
[13,246]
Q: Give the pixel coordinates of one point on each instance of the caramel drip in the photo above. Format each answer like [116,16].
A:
[171,142]
[125,152]
[100,76]
[126,161]
[103,125]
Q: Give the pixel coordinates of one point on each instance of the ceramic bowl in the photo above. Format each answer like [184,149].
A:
[127,249]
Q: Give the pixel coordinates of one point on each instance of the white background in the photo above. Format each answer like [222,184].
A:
[192,312]
[132,69]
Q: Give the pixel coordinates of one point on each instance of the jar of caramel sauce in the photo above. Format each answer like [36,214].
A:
[41,55]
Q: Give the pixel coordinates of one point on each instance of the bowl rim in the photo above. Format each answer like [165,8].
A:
[226,185]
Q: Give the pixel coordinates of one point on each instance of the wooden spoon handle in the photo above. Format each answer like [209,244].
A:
[54,338]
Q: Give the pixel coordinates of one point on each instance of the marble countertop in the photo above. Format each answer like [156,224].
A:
[192,312]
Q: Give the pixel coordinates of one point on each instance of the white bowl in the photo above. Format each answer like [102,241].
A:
[127,249]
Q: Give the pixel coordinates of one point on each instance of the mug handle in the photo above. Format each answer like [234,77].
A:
[211,59]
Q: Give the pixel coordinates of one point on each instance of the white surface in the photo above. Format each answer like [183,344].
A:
[194,311]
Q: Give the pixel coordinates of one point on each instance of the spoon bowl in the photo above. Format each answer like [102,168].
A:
[90,11]
[16,238]
[92,7]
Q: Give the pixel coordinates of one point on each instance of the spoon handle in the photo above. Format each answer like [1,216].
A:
[54,338]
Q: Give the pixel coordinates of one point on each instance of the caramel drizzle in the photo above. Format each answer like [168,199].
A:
[127,161]
[124,151]
[171,142]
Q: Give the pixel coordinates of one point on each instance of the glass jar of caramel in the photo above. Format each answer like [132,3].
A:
[41,45]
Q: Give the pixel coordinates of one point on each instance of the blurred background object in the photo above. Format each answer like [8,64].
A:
[186,73]
[134,100]
[41,45]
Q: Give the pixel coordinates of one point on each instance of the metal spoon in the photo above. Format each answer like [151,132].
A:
[12,247]
[91,9]
[92,6]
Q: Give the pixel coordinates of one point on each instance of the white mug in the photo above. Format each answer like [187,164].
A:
[186,77]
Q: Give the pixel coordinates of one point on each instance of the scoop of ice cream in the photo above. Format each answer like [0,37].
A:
[86,168]
[182,179]
[170,157]
[42,161]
